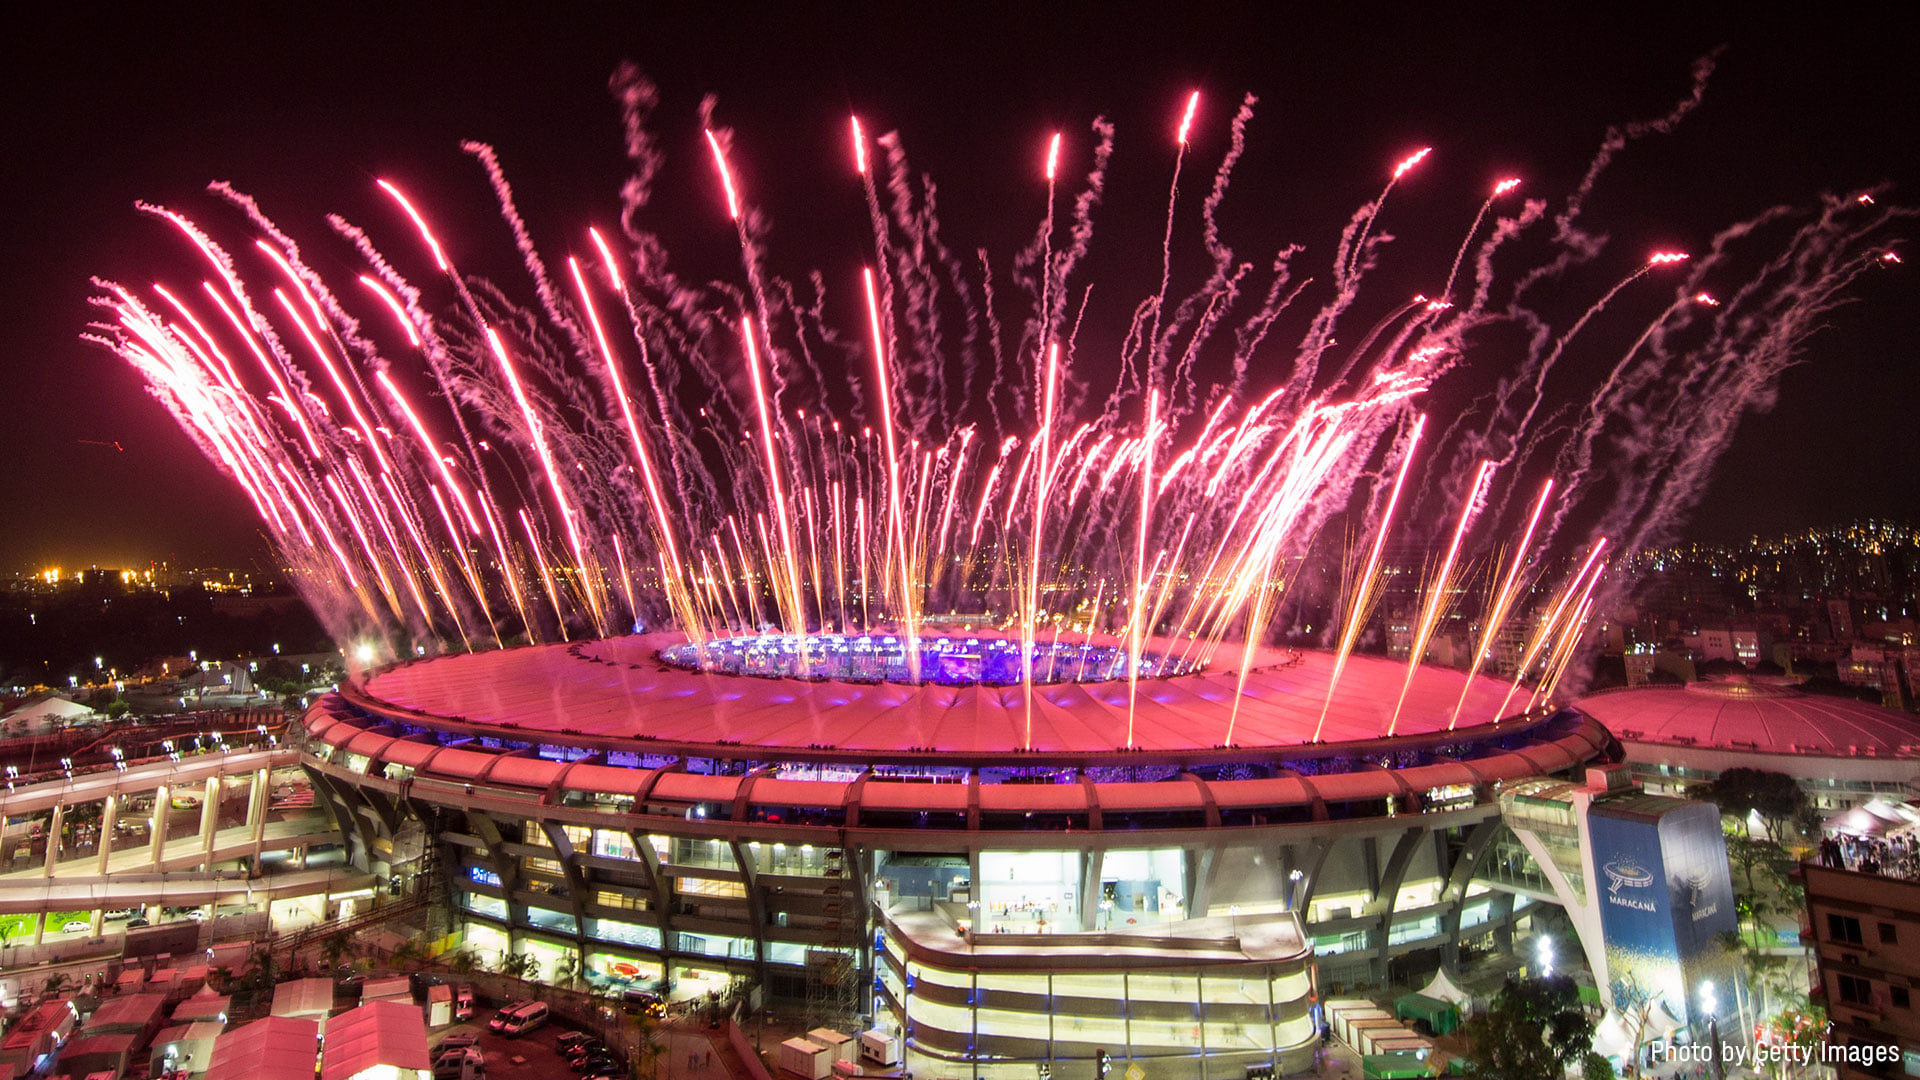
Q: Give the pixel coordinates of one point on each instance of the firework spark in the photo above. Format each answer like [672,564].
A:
[1168,519]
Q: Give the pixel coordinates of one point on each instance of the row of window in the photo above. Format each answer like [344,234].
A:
[1846,930]
[1857,991]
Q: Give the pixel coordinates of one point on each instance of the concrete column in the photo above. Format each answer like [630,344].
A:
[1091,865]
[257,813]
[53,839]
[209,821]
[162,809]
[40,929]
[109,809]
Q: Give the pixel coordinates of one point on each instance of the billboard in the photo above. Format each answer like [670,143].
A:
[1665,893]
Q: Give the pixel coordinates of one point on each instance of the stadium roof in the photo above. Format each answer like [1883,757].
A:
[617,688]
[1755,717]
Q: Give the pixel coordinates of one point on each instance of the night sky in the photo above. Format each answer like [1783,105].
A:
[303,107]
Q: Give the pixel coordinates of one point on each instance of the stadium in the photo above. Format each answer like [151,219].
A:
[887,850]
[1843,753]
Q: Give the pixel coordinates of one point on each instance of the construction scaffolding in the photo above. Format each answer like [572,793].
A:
[833,974]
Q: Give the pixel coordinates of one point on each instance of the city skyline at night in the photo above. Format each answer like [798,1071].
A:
[814,226]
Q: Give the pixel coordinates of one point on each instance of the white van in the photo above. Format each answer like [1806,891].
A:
[525,1019]
[466,1063]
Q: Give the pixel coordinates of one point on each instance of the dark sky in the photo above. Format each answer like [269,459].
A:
[303,106]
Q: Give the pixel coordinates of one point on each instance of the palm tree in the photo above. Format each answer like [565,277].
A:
[566,970]
[643,1029]
[336,946]
[519,965]
[408,954]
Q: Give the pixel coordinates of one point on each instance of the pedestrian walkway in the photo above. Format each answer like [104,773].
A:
[184,853]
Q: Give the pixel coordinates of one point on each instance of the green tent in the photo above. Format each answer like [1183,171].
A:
[1399,1065]
[1442,1017]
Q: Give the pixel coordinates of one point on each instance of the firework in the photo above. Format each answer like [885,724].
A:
[551,489]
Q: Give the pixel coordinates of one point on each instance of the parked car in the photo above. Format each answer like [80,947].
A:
[566,1041]
[457,1041]
[524,1019]
[463,1003]
[597,1063]
[580,1050]
[122,913]
[499,1021]
[466,1063]
[131,923]
[76,926]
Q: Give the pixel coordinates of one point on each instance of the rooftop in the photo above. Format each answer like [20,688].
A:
[1253,939]
[618,689]
[1754,716]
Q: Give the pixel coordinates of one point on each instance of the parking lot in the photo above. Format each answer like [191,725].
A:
[532,1056]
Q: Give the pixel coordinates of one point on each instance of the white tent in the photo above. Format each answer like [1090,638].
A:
[43,714]
[1443,989]
[1876,818]
[381,1039]
[1895,815]
[1613,1037]
[274,1048]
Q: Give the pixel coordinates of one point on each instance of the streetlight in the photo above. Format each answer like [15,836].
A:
[1711,1006]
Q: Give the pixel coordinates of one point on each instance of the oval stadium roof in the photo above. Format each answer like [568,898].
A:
[1752,716]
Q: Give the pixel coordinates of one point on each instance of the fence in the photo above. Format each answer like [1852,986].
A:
[736,1038]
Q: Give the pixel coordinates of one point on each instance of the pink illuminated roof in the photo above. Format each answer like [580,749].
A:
[1755,717]
[617,689]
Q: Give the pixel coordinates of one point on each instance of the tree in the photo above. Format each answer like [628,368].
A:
[1635,1004]
[1769,978]
[519,965]
[643,1030]
[337,945]
[1800,1024]
[1763,857]
[1741,793]
[260,968]
[408,954]
[1536,1029]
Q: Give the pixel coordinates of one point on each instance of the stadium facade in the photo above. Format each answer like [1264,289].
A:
[999,879]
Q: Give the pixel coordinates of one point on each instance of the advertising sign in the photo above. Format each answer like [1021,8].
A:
[1665,894]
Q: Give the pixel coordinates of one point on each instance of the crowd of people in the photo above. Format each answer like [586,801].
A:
[1896,855]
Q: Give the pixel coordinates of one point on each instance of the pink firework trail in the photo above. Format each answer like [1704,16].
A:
[529,495]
